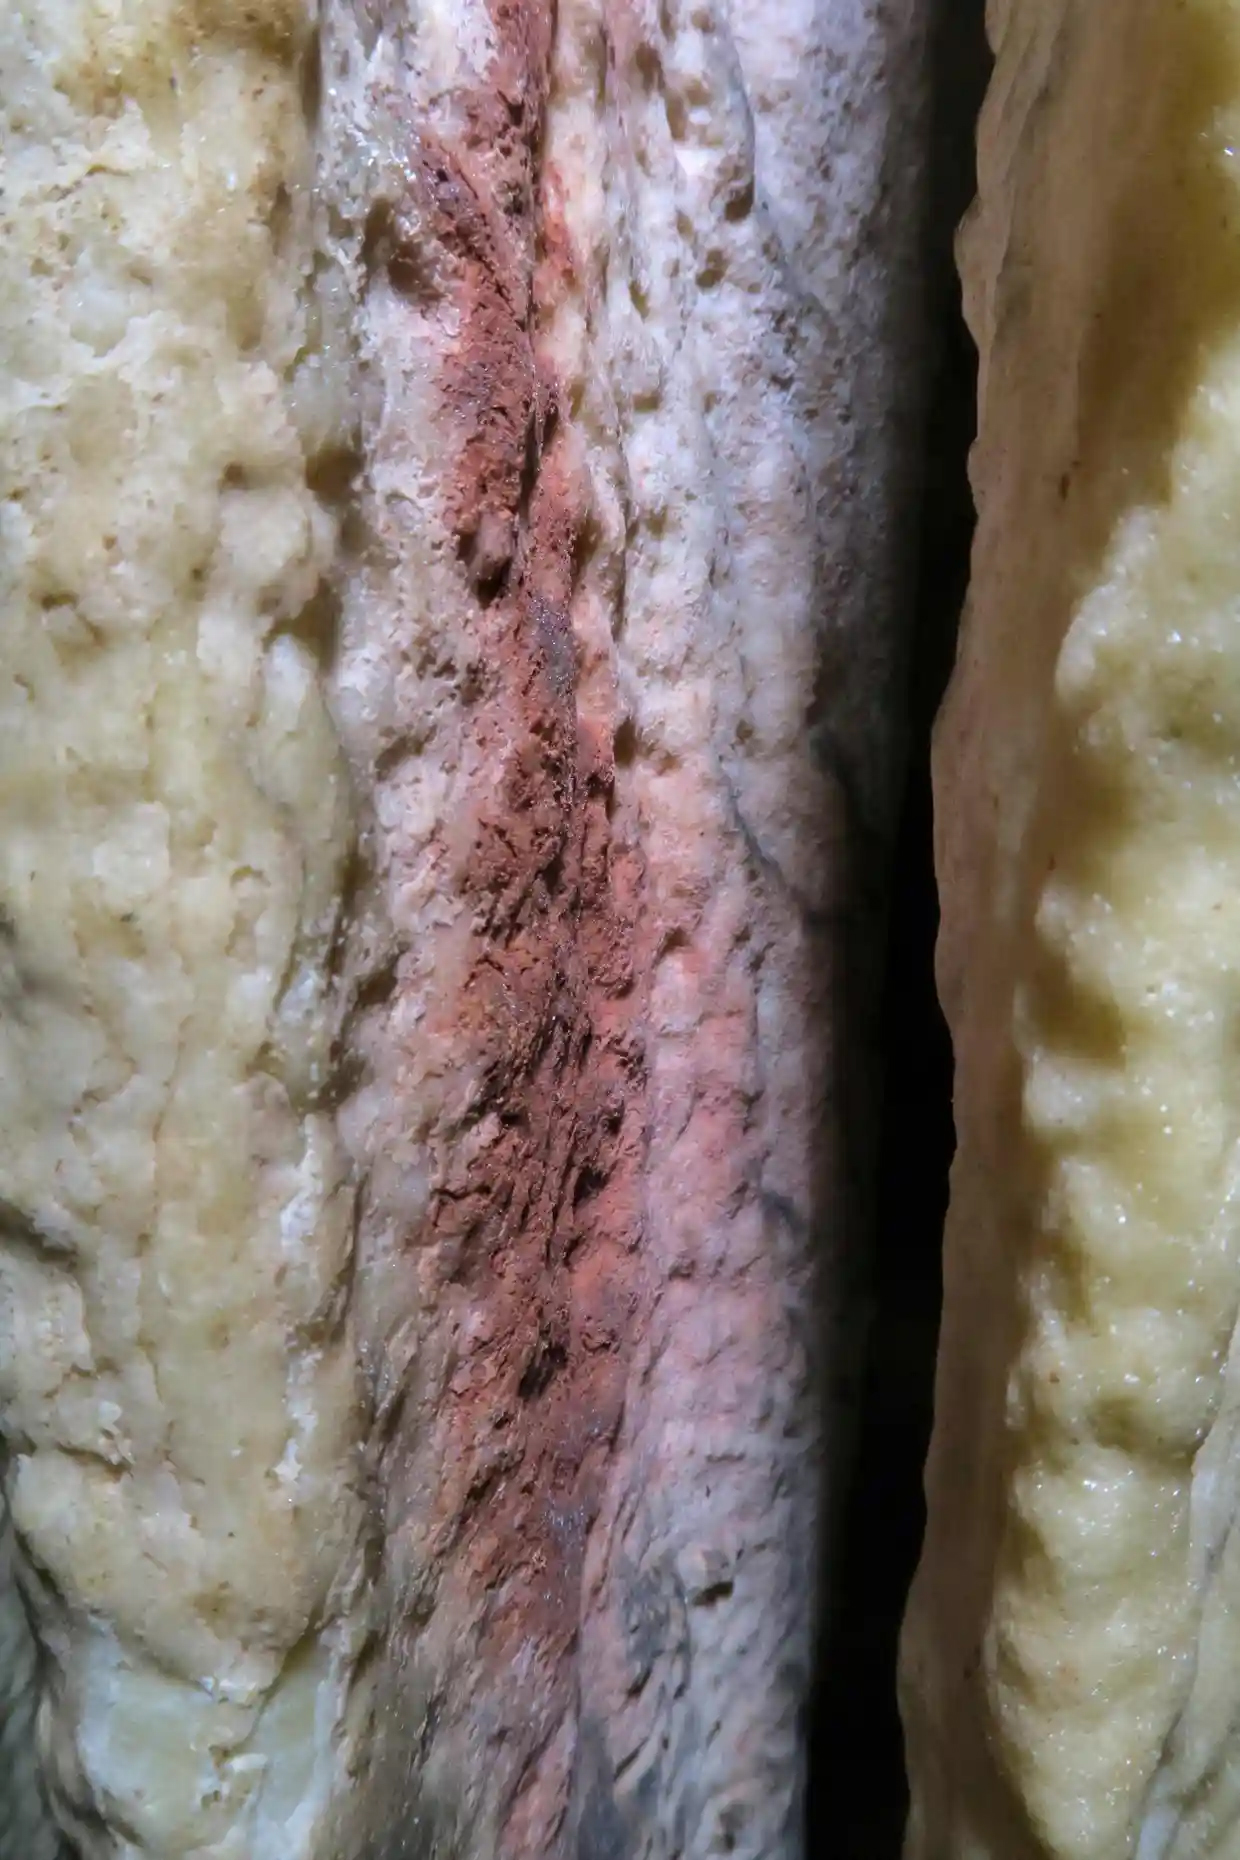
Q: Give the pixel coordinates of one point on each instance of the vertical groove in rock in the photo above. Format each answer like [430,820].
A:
[899,1287]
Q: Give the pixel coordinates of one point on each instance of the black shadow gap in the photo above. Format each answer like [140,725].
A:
[858,1798]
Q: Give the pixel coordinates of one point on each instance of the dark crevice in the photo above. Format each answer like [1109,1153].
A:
[858,1798]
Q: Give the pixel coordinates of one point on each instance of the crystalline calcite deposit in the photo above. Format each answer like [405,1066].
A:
[452,466]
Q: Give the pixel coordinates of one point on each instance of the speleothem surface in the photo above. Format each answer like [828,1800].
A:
[1070,1671]
[454,464]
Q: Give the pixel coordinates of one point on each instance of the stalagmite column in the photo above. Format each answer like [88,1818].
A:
[455,459]
[1071,1661]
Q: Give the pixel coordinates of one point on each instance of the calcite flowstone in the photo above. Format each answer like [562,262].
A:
[456,460]
[1071,1663]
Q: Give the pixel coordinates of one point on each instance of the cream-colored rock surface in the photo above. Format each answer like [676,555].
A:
[454,460]
[1071,1682]
[178,1387]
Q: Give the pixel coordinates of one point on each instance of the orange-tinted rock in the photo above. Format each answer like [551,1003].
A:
[617,669]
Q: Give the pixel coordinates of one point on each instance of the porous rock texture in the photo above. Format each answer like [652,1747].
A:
[455,459]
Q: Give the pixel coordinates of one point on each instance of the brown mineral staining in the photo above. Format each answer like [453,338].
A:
[537,1198]
[482,195]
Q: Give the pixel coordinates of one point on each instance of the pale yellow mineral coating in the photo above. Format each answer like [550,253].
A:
[175,1379]
[1071,1679]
